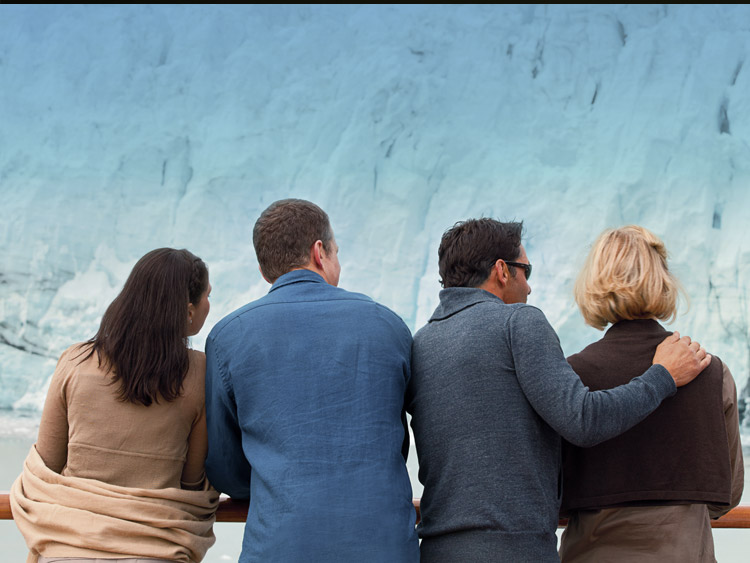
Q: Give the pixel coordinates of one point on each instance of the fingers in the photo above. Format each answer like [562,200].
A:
[674,337]
[700,353]
[683,357]
[703,357]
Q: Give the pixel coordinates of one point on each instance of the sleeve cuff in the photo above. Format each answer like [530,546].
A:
[663,379]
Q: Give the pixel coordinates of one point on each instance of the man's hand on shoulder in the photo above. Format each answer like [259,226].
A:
[684,359]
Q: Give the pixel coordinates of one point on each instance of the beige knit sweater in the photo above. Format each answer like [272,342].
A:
[91,441]
[87,431]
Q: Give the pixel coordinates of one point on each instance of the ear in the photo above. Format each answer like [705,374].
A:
[316,254]
[191,312]
[497,280]
[501,272]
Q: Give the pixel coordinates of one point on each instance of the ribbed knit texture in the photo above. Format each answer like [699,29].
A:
[490,395]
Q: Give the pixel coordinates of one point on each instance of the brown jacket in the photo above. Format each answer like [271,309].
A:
[658,533]
[679,454]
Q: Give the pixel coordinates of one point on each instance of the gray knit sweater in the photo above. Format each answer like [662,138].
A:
[490,396]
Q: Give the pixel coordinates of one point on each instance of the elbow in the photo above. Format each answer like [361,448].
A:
[586,436]
[233,490]
[583,435]
[235,487]
[583,441]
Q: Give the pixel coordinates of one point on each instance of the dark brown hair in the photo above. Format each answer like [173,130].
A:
[470,248]
[142,338]
[284,234]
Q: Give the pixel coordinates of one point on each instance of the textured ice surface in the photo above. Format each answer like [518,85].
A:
[126,128]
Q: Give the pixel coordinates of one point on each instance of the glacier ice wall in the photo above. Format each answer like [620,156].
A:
[126,128]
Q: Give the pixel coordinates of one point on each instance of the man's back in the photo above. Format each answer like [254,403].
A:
[314,377]
[487,460]
[490,395]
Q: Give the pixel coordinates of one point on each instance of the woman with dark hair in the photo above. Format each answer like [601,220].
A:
[117,471]
[647,495]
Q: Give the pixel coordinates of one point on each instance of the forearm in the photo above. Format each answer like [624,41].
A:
[557,394]
[226,466]
[194,471]
[611,412]
[52,440]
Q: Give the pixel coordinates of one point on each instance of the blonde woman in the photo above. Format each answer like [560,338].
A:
[648,494]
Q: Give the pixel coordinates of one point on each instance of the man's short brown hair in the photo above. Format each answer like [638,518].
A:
[284,234]
[469,249]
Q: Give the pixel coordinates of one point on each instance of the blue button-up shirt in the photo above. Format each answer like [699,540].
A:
[304,402]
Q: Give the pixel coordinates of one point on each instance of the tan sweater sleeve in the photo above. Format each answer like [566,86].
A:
[731,421]
[194,473]
[52,441]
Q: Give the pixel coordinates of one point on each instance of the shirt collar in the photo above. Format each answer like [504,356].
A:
[455,299]
[297,276]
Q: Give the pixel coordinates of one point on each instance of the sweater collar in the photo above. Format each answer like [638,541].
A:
[455,299]
[638,327]
[296,276]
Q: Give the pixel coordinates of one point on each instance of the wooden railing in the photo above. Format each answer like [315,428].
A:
[236,511]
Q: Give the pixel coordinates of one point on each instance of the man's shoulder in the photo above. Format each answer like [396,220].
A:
[524,312]
[228,320]
[487,321]
[371,309]
[359,301]
[494,311]
[346,295]
[357,304]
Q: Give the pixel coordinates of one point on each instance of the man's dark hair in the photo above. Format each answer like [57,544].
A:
[470,248]
[142,340]
[284,234]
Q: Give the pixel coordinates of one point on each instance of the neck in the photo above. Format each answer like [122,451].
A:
[492,288]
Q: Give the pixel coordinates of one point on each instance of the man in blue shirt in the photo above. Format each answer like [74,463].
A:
[304,402]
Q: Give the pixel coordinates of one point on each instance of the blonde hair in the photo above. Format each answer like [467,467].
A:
[626,277]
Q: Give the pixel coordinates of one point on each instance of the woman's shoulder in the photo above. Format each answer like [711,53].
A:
[75,350]
[195,381]
[197,360]
[73,355]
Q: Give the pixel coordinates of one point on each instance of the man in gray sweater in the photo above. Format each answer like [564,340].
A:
[490,395]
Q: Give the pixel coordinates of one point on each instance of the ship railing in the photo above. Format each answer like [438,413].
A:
[231,510]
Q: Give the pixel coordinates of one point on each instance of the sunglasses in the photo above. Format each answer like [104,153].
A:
[526,267]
